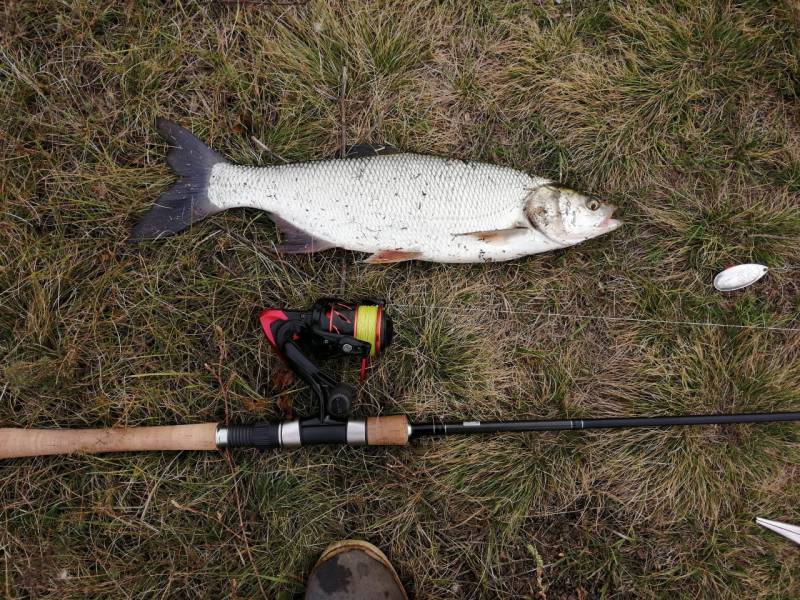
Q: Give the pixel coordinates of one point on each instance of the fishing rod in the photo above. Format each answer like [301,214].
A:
[330,328]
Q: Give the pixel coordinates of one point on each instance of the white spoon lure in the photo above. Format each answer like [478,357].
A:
[739,276]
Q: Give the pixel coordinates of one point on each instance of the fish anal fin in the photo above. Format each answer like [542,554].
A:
[496,236]
[361,150]
[296,241]
[385,257]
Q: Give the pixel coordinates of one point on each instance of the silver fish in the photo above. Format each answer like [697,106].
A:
[394,205]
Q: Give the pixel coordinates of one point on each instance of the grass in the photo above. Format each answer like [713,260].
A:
[685,114]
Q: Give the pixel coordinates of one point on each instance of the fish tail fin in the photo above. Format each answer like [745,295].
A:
[187,201]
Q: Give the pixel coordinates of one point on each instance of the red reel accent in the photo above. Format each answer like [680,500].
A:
[268,318]
[378,324]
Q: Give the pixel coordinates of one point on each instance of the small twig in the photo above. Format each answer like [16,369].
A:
[6,568]
[155,487]
[109,512]
[266,149]
[235,534]
[541,592]
[342,112]
[229,458]
[265,2]
[224,387]
[343,280]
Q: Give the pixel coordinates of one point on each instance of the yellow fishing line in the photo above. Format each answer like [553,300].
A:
[367,326]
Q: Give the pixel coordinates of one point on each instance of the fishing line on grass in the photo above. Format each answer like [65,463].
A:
[558,315]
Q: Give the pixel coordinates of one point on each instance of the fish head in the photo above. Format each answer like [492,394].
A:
[567,216]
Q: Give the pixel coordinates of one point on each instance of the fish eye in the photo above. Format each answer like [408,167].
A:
[592,204]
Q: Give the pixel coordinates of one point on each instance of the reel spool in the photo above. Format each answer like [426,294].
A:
[330,328]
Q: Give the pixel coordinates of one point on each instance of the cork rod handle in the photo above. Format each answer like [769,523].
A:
[39,442]
[387,431]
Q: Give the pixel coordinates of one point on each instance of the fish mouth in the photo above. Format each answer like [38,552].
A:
[610,224]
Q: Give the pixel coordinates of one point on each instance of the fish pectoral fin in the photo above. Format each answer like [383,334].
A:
[496,236]
[385,257]
[296,241]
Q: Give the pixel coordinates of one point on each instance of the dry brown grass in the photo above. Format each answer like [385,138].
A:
[684,114]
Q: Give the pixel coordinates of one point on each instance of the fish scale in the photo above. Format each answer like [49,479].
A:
[396,206]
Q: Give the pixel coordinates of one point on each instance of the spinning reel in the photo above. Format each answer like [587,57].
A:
[330,328]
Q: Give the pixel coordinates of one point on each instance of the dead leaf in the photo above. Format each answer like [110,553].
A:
[285,405]
[254,405]
[100,190]
[282,378]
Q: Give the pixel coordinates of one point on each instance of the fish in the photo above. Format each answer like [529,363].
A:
[396,206]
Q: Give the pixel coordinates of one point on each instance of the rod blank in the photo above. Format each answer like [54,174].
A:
[471,427]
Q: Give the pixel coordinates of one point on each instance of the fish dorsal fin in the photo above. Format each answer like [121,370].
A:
[296,241]
[362,150]
[496,236]
[385,257]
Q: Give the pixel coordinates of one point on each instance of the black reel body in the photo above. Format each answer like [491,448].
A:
[329,329]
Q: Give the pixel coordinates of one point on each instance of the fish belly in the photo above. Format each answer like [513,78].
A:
[408,202]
